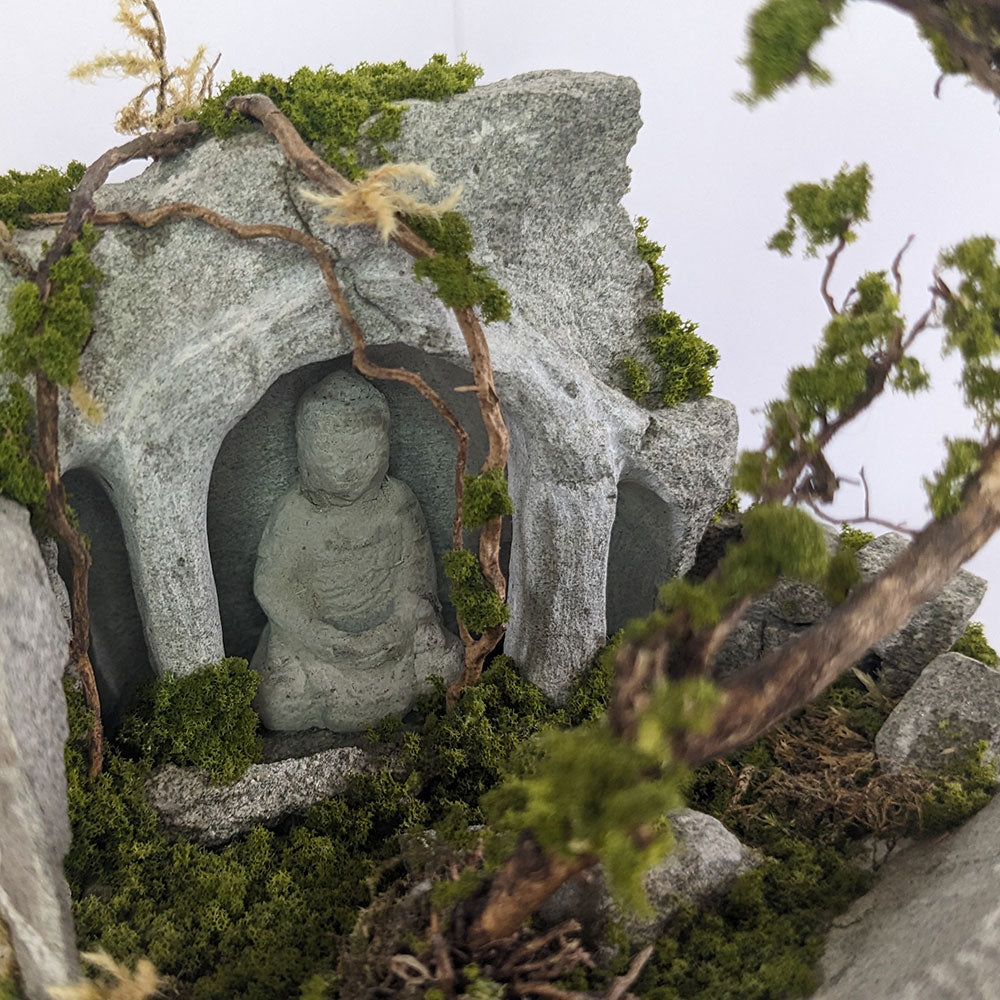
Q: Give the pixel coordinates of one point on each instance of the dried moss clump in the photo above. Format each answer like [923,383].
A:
[21,477]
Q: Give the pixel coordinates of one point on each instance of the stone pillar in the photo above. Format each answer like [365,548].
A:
[557,587]
[34,824]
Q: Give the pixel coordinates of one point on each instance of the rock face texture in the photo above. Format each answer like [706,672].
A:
[953,703]
[193,807]
[199,337]
[791,607]
[703,864]
[345,574]
[34,826]
[930,928]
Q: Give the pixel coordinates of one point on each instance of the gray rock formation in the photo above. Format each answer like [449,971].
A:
[703,864]
[930,927]
[936,626]
[791,607]
[345,574]
[190,805]
[953,703]
[197,332]
[34,832]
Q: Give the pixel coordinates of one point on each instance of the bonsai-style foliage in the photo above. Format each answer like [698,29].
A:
[170,94]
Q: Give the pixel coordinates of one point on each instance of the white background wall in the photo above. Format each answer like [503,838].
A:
[709,173]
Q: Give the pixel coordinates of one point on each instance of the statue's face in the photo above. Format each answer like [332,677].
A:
[343,451]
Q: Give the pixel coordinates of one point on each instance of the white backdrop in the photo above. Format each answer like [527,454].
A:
[709,173]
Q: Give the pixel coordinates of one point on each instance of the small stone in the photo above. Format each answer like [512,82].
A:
[952,704]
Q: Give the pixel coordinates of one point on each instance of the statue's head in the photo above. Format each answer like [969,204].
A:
[342,427]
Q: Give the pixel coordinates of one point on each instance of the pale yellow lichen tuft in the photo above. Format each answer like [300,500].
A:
[375,200]
[170,93]
[85,402]
[117,982]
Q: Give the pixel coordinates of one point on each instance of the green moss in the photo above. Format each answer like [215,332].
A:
[967,783]
[476,603]
[328,108]
[64,319]
[651,253]
[485,498]
[730,506]
[44,190]
[637,380]
[21,477]
[684,358]
[459,282]
[973,643]
[854,538]
[200,720]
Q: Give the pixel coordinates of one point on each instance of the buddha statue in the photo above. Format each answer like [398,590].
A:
[345,574]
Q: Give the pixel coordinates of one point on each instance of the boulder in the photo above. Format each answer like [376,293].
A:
[934,628]
[191,806]
[34,896]
[203,345]
[930,927]
[704,862]
[791,607]
[953,703]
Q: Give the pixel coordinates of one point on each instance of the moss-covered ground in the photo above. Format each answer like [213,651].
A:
[264,916]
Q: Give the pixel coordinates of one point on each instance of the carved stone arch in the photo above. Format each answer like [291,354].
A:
[256,465]
[118,647]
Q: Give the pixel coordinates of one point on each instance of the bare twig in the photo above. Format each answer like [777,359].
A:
[619,987]
[897,261]
[19,264]
[831,262]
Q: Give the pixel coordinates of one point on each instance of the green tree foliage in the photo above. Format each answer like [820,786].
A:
[826,212]
[44,190]
[582,791]
[64,318]
[780,38]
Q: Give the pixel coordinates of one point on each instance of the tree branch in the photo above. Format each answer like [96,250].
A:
[977,56]
[789,677]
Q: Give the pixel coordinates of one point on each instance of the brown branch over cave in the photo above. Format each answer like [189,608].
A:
[311,166]
[81,208]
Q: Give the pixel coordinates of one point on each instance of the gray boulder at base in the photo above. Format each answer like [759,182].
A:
[791,607]
[190,805]
[193,329]
[930,927]
[34,825]
[953,703]
[704,862]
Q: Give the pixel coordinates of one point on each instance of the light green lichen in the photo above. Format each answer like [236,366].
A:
[485,497]
[476,603]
